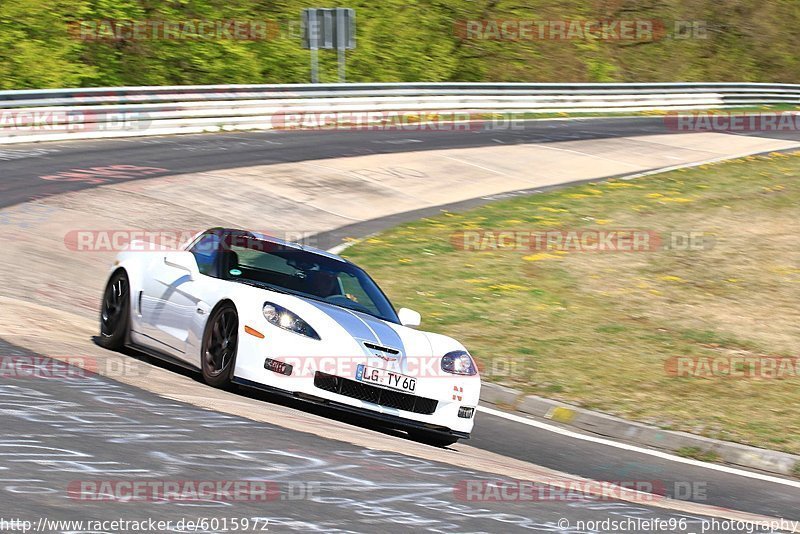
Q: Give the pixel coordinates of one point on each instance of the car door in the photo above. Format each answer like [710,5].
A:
[172,294]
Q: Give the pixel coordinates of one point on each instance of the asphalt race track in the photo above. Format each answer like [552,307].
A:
[195,153]
[64,430]
[22,165]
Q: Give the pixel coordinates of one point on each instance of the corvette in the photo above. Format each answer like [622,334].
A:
[250,309]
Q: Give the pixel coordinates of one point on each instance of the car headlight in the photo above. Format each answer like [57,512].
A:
[283,318]
[459,362]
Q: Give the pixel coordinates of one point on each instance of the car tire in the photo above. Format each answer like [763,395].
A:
[220,342]
[115,312]
[432,438]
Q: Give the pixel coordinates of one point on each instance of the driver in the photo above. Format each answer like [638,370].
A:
[323,284]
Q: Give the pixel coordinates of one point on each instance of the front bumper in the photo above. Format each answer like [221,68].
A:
[440,396]
[394,421]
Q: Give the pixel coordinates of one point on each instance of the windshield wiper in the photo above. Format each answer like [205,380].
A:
[262,285]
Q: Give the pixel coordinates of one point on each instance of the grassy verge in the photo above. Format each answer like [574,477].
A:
[600,328]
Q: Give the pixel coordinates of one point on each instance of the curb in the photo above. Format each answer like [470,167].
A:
[614,427]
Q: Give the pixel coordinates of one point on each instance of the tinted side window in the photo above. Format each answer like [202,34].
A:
[205,251]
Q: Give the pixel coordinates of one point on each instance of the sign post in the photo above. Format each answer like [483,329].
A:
[327,29]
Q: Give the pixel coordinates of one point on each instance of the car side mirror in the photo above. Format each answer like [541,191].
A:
[409,317]
[181,260]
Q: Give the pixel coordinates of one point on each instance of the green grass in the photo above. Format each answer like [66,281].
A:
[697,453]
[598,329]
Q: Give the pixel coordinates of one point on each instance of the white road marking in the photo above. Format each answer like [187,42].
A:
[641,450]
[495,171]
[586,154]
[399,141]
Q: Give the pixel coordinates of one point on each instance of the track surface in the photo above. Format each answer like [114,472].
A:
[599,462]
[21,166]
[62,432]
[21,169]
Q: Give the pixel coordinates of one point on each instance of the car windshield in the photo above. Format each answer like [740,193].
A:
[301,272]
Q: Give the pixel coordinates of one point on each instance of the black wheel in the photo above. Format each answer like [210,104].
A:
[220,340]
[115,312]
[432,438]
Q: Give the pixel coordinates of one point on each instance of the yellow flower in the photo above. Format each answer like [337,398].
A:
[552,210]
[539,257]
[505,287]
[548,222]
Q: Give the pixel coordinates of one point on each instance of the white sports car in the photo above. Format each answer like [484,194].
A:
[254,310]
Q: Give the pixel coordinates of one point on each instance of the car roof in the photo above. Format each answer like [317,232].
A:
[278,241]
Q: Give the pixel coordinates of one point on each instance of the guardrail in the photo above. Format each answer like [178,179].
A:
[59,114]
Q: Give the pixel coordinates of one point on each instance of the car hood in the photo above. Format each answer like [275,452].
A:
[350,333]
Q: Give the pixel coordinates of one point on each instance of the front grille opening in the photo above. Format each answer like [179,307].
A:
[376,395]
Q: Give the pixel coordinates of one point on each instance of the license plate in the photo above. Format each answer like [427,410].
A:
[386,378]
